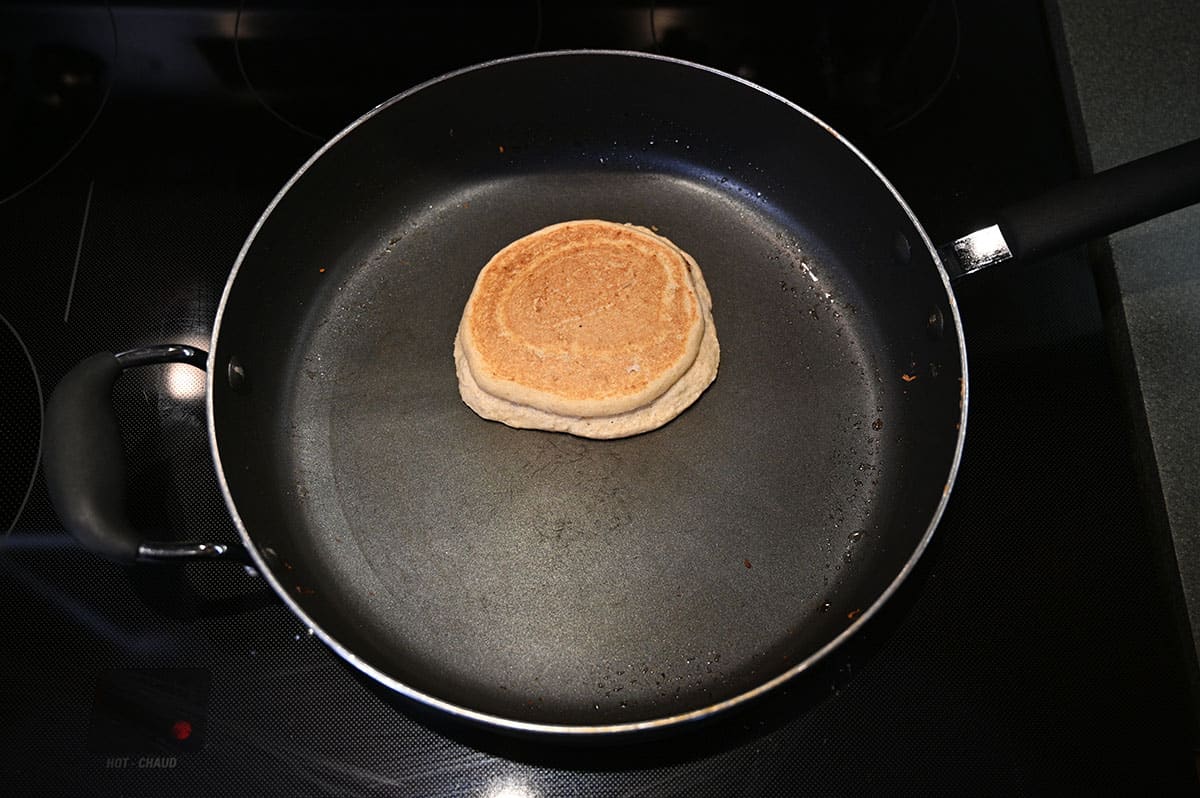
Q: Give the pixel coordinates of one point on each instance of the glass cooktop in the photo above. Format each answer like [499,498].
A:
[1033,650]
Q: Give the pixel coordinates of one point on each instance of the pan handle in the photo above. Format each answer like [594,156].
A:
[81,456]
[1082,210]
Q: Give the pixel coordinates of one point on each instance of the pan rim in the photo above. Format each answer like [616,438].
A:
[581,730]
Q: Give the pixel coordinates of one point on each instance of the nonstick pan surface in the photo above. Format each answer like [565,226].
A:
[544,582]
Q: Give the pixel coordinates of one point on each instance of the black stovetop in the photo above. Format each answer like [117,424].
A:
[1033,650]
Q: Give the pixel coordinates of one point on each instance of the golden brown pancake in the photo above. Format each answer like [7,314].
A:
[589,327]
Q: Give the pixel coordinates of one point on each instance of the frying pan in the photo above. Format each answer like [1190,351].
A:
[535,581]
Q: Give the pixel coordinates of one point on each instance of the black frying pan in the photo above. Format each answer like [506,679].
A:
[538,581]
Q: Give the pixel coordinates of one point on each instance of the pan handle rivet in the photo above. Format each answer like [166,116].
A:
[934,323]
[236,374]
[901,250]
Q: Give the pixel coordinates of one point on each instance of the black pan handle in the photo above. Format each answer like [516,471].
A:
[81,456]
[1083,209]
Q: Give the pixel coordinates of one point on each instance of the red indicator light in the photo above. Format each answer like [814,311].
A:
[181,730]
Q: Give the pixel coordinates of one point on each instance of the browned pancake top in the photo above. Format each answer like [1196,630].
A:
[583,317]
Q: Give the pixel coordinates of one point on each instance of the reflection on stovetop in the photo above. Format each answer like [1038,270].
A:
[1034,626]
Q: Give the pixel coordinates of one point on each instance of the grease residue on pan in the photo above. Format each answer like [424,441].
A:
[534,556]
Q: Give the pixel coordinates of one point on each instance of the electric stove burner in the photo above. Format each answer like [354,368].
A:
[20,425]
[283,63]
[888,66]
[52,93]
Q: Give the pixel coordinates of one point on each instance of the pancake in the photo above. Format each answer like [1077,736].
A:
[589,327]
